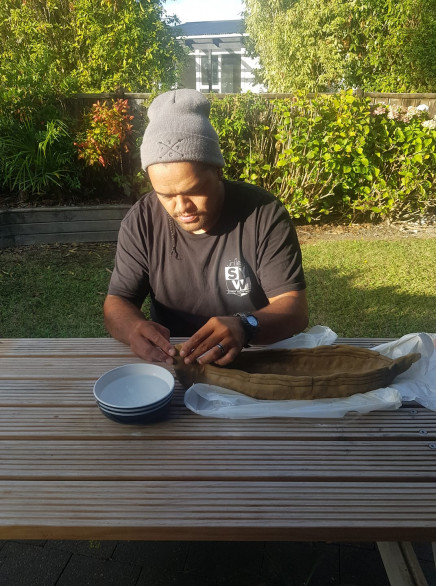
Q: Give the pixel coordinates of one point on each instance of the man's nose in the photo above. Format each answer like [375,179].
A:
[184,204]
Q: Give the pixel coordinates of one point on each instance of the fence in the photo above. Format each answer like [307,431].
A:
[81,102]
[404,100]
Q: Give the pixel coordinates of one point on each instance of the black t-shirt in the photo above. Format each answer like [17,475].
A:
[251,254]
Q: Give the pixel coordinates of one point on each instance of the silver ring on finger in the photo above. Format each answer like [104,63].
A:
[221,347]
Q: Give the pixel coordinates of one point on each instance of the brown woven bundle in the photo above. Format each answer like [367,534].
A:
[303,373]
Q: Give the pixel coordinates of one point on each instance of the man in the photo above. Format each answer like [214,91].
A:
[220,259]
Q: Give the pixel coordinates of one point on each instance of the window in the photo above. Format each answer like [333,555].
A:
[188,77]
[209,70]
[231,74]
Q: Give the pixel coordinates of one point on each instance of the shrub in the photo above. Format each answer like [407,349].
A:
[37,156]
[331,155]
[243,124]
[110,145]
[107,136]
[404,151]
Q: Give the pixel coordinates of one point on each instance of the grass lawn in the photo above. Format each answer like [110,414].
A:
[357,288]
[54,291]
[372,288]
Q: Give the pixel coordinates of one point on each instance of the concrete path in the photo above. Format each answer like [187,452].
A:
[144,563]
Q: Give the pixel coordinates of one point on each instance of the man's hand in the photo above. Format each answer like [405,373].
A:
[147,339]
[220,340]
[151,341]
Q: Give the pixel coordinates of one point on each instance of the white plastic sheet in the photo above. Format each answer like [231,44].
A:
[416,384]
[419,382]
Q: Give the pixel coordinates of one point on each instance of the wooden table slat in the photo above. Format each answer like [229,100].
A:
[98,347]
[69,368]
[41,347]
[89,423]
[275,461]
[208,510]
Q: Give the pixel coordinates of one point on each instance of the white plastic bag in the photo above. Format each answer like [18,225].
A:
[316,336]
[418,383]
[213,401]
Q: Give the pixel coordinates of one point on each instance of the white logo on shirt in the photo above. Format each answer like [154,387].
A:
[237,281]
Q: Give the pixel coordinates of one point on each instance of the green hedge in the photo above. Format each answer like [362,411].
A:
[329,156]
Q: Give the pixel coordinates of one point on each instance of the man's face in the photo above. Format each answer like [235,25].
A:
[191,193]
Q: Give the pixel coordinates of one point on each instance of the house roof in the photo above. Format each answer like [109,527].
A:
[211,27]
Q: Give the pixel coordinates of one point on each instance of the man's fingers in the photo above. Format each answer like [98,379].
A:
[228,357]
[220,340]
[197,344]
[159,336]
[204,352]
[150,341]
[212,355]
[149,352]
[219,355]
[219,352]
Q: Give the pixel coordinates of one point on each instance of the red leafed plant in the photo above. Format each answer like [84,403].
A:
[108,134]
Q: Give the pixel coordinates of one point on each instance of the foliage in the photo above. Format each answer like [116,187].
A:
[37,156]
[320,45]
[107,135]
[395,49]
[244,139]
[331,155]
[52,48]
[109,143]
[63,160]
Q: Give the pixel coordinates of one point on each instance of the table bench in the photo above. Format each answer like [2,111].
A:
[68,472]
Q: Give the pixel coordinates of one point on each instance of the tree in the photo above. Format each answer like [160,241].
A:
[319,45]
[50,47]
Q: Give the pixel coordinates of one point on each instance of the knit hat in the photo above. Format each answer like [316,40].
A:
[180,130]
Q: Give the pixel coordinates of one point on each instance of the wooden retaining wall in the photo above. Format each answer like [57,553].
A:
[26,226]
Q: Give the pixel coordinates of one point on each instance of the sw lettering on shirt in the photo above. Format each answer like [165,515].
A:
[237,280]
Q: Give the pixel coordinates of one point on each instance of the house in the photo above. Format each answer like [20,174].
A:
[218,60]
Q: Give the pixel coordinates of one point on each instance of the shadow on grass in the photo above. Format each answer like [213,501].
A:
[352,310]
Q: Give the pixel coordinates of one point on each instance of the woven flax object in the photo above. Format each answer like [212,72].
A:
[303,373]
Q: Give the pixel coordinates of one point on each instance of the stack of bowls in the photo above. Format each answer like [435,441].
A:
[135,393]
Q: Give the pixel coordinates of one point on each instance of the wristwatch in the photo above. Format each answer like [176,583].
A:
[251,325]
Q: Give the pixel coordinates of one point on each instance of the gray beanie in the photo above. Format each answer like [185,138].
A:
[180,130]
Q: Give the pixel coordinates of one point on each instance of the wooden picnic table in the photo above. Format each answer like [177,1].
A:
[68,472]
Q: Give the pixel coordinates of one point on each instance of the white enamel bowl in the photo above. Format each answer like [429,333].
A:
[134,392]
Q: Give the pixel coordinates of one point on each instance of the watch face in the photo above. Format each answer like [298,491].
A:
[252,321]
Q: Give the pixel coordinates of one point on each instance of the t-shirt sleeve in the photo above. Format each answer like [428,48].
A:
[280,267]
[130,277]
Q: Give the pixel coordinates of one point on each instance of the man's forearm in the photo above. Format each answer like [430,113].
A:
[120,317]
[285,316]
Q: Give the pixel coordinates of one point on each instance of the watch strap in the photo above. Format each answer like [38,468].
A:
[250,330]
